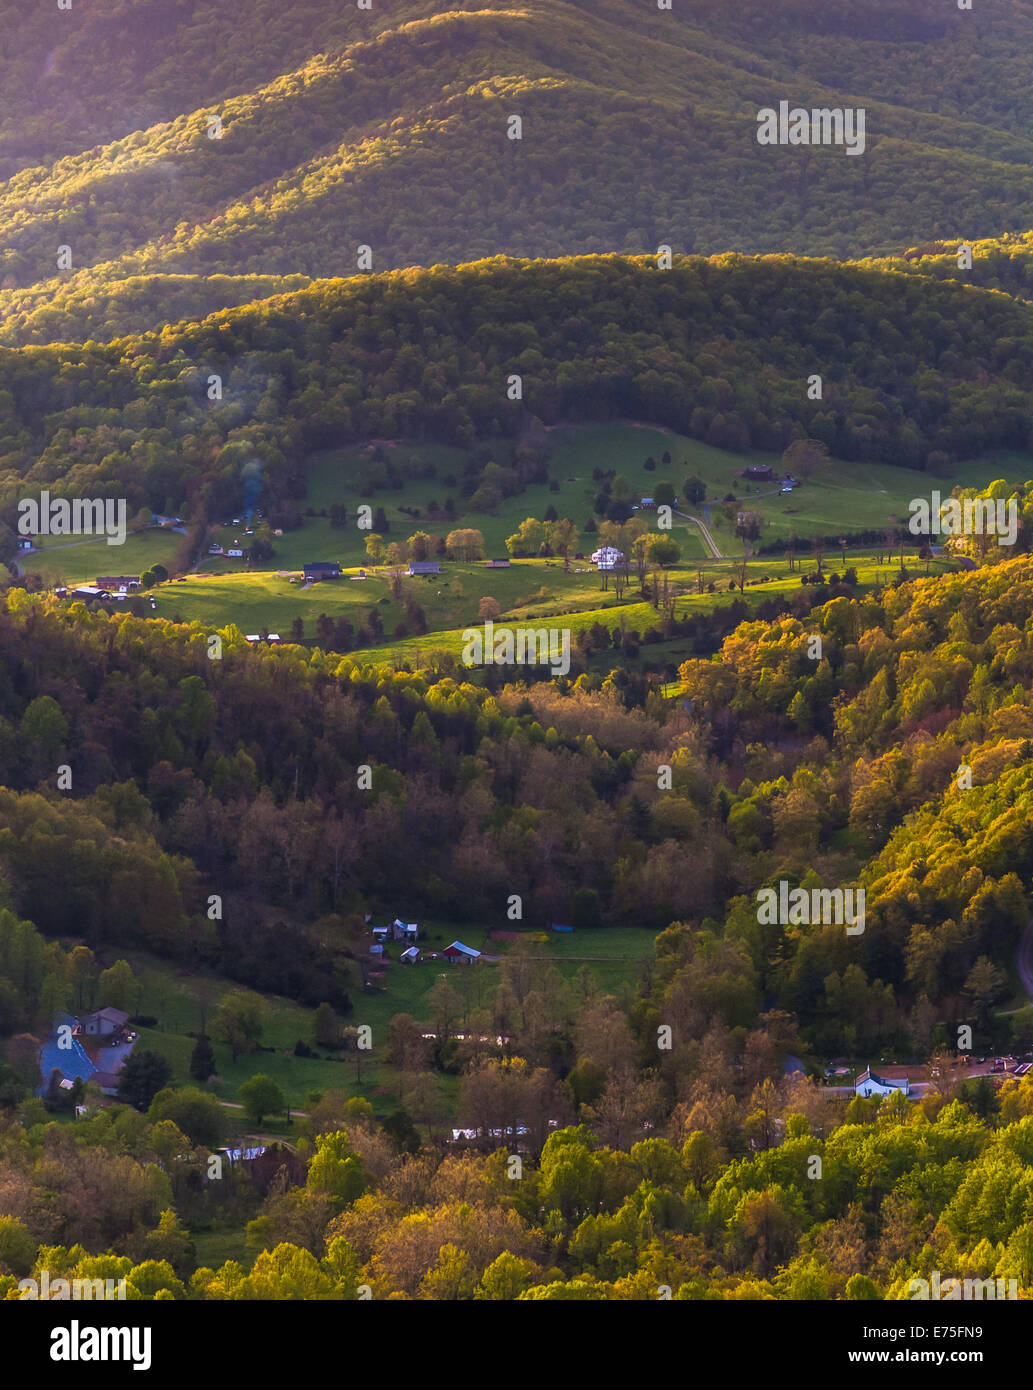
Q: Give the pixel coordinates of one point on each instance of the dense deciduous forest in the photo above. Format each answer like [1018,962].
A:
[685,1168]
[1002,262]
[722,1207]
[183,203]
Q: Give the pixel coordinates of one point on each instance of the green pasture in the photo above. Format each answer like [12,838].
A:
[82,559]
[765,578]
[264,598]
[175,997]
[842,497]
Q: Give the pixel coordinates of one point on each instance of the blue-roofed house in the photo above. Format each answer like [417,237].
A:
[92,1048]
[65,1054]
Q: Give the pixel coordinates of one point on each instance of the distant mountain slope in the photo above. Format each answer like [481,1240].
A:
[108,68]
[915,372]
[1002,263]
[388,128]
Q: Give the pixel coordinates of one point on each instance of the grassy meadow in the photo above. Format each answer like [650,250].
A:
[82,559]
[841,497]
[178,999]
[838,498]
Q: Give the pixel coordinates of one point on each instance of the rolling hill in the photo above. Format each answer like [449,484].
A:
[917,372]
[388,128]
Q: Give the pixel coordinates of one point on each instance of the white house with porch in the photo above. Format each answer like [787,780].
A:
[870,1084]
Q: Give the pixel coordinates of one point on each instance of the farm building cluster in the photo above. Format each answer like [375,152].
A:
[408,934]
[397,931]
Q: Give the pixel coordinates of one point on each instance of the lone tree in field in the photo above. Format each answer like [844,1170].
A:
[419,545]
[742,568]
[240,1020]
[465,543]
[118,987]
[260,1097]
[562,536]
[202,1060]
[805,456]
[695,490]
[663,551]
[326,1026]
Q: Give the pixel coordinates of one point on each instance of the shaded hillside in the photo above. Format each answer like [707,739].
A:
[915,372]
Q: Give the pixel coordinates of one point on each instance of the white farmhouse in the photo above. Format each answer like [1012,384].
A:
[607,558]
[869,1084]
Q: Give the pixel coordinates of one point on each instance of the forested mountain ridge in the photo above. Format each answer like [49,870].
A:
[915,371]
[390,130]
[105,70]
[1002,262]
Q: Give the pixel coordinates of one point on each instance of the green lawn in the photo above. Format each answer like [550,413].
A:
[846,497]
[577,452]
[75,559]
